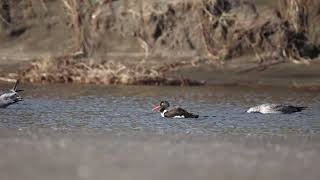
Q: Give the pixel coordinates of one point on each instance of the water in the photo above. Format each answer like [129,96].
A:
[94,132]
[128,109]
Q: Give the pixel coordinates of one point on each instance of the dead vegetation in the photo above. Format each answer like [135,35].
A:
[272,39]
[4,16]
[68,69]
[76,11]
[219,30]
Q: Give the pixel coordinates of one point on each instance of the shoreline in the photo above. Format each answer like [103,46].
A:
[287,75]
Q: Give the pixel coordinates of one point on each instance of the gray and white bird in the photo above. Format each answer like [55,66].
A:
[11,97]
[275,109]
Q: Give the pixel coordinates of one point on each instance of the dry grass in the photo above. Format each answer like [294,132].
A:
[288,37]
[225,32]
[228,29]
[4,16]
[296,12]
[73,11]
[67,69]
[77,11]
[298,17]
[225,29]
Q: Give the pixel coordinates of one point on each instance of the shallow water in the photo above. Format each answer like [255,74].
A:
[128,109]
[98,132]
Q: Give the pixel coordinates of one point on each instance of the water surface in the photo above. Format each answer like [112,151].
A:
[99,132]
[128,109]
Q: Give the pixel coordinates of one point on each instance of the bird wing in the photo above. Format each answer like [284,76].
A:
[276,107]
[176,112]
[287,108]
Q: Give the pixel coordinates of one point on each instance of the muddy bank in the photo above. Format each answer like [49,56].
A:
[215,35]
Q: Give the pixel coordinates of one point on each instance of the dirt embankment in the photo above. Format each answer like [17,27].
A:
[153,34]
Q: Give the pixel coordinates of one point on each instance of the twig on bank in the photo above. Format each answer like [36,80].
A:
[4,20]
[263,66]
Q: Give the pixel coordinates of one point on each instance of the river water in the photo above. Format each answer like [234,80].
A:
[94,132]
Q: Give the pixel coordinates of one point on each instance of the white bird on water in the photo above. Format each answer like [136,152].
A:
[11,97]
[275,109]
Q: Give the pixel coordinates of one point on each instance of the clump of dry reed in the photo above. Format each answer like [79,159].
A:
[223,32]
[288,37]
[299,18]
[4,15]
[76,11]
[67,69]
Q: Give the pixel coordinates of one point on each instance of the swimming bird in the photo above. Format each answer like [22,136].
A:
[10,97]
[275,108]
[174,112]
